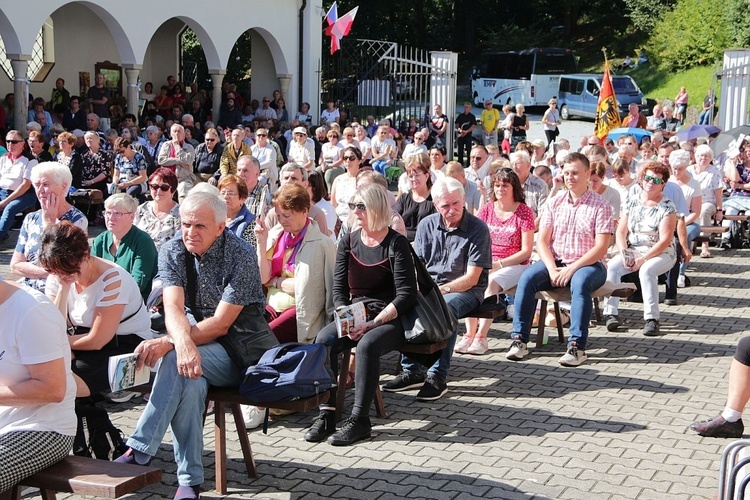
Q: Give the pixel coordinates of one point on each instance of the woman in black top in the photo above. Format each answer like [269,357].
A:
[208,156]
[373,265]
[519,126]
[416,204]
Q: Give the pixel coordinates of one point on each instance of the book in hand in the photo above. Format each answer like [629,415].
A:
[123,373]
[348,317]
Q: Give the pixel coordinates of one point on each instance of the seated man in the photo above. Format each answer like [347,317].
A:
[455,247]
[574,233]
[193,358]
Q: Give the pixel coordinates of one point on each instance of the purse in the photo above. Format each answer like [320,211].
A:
[430,320]
[247,339]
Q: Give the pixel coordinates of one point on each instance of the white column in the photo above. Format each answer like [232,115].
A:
[217,77]
[20,64]
[132,71]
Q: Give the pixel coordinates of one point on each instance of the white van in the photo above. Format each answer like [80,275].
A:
[578,94]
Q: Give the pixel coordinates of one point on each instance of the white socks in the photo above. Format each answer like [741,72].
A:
[731,415]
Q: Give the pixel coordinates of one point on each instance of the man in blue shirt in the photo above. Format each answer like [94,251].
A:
[455,247]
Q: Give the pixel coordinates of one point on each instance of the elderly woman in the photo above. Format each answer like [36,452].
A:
[130,169]
[101,301]
[511,225]
[208,157]
[645,238]
[16,194]
[37,390]
[160,217]
[691,190]
[69,157]
[710,179]
[51,182]
[373,264]
[124,244]
[416,204]
[345,185]
[36,147]
[97,164]
[233,190]
[296,265]
[300,151]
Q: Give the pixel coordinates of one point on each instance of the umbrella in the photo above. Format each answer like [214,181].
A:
[638,133]
[721,143]
[695,131]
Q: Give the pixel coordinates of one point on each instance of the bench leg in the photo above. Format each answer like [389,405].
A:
[558,318]
[540,325]
[597,310]
[247,452]
[220,443]
[379,405]
[48,494]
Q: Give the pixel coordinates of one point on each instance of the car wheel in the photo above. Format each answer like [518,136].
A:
[564,112]
[477,101]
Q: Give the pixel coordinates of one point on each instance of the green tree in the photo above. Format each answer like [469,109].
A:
[694,33]
[646,13]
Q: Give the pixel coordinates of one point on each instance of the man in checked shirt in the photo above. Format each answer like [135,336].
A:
[574,232]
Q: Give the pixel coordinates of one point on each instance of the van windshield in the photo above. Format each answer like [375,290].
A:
[622,85]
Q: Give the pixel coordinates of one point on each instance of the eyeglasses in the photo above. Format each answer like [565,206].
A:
[262,135]
[228,194]
[266,101]
[655,180]
[13,141]
[357,206]
[163,187]
[350,158]
[210,140]
[113,214]
[413,174]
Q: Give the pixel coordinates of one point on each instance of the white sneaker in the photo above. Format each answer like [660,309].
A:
[510,310]
[517,351]
[121,396]
[252,415]
[681,281]
[574,357]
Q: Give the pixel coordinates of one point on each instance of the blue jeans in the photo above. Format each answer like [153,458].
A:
[582,285]
[705,117]
[693,230]
[26,200]
[179,402]
[461,304]
[380,166]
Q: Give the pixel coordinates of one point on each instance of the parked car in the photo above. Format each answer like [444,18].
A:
[578,94]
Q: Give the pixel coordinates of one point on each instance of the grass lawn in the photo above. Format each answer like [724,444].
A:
[659,85]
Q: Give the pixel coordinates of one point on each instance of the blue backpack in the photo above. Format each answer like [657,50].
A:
[287,372]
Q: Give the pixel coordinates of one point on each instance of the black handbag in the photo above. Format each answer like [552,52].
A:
[430,320]
[248,337]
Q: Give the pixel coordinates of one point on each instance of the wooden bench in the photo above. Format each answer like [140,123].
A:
[708,233]
[224,397]
[88,476]
[557,295]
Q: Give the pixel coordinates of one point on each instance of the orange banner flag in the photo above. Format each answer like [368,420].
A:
[607,114]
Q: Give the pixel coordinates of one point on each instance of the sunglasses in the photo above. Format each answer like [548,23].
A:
[163,187]
[655,180]
[262,135]
[350,158]
[13,141]
[357,206]
[210,140]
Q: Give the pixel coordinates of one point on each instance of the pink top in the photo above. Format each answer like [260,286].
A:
[506,235]
[576,224]
[682,98]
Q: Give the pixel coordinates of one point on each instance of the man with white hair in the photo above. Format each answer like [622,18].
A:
[535,189]
[292,173]
[259,198]
[455,248]
[177,155]
[266,155]
[205,292]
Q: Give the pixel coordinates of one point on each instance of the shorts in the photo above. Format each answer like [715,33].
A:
[742,354]
[507,277]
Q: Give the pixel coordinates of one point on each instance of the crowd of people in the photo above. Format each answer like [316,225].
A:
[260,216]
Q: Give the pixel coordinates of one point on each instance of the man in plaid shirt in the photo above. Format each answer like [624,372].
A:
[574,233]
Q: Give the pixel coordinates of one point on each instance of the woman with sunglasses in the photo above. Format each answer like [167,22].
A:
[511,225]
[160,217]
[345,185]
[208,157]
[645,239]
[373,265]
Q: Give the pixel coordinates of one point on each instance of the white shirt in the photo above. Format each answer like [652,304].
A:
[12,173]
[265,155]
[329,116]
[34,332]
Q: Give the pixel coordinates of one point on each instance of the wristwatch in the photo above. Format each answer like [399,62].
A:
[447,289]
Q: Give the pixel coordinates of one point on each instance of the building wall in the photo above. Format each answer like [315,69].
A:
[131,38]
